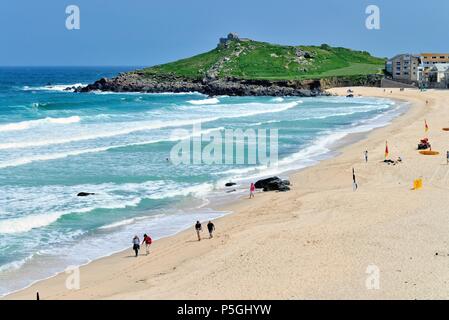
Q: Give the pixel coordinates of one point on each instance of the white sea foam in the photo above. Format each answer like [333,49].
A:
[141,126]
[107,196]
[118,224]
[188,93]
[60,155]
[15,264]
[23,125]
[55,87]
[205,101]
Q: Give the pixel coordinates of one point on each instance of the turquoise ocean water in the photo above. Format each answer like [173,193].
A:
[54,144]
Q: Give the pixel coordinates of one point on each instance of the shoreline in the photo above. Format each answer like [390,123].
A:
[221,201]
[51,288]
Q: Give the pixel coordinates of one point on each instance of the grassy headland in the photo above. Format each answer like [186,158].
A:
[247,59]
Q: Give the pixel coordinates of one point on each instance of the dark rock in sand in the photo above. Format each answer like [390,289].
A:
[85,194]
[273,184]
[264,182]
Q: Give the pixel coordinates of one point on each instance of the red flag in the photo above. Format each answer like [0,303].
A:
[386,150]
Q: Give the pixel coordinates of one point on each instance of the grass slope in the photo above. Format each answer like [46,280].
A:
[259,60]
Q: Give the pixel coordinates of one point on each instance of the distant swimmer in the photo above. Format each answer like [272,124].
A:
[136,245]
[147,241]
[198,229]
[252,189]
[211,229]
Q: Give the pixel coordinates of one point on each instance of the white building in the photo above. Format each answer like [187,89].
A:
[438,75]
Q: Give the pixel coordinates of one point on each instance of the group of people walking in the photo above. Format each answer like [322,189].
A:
[199,229]
[147,241]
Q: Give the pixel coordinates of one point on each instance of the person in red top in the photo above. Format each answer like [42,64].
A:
[148,241]
[252,189]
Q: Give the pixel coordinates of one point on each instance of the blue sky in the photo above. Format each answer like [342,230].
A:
[147,32]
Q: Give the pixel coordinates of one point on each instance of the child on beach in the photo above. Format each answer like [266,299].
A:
[366,155]
[148,241]
[252,189]
[210,228]
[136,245]
[198,229]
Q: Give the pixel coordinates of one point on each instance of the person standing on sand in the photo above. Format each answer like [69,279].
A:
[198,229]
[211,229]
[366,155]
[252,189]
[148,241]
[447,157]
[136,245]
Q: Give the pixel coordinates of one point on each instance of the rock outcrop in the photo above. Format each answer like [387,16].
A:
[273,184]
[212,86]
[85,194]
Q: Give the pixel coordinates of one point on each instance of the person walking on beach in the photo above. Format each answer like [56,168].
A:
[366,155]
[252,189]
[447,157]
[136,245]
[354,181]
[147,241]
[198,229]
[211,229]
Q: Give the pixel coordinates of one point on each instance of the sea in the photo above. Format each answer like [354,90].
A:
[55,143]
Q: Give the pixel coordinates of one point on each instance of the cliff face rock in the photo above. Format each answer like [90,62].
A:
[370,80]
[133,82]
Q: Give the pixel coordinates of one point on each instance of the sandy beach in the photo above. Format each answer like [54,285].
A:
[314,242]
